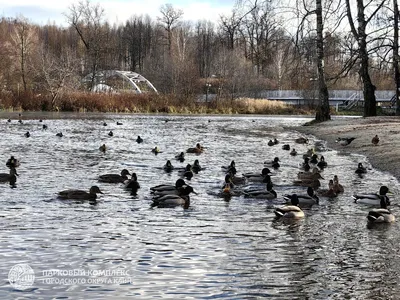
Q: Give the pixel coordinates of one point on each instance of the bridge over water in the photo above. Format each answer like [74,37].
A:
[344,98]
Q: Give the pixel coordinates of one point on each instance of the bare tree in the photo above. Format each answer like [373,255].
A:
[88,21]
[360,34]
[169,19]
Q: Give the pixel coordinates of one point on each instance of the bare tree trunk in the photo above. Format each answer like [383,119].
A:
[323,109]
[396,58]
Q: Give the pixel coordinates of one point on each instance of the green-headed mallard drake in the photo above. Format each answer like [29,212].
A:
[381,215]
[267,193]
[373,198]
[139,139]
[198,149]
[169,201]
[306,200]
[80,195]
[274,163]
[361,169]
[12,162]
[257,176]
[293,152]
[168,167]
[132,184]
[180,157]
[322,163]
[166,187]
[180,191]
[103,148]
[345,141]
[115,178]
[290,211]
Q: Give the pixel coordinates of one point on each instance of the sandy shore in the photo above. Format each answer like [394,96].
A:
[385,156]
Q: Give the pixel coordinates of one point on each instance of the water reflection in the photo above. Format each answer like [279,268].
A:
[220,247]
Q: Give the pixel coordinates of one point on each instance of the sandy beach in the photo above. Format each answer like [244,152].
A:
[384,156]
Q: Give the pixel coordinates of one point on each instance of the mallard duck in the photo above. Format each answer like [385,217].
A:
[103,148]
[373,198]
[110,133]
[237,180]
[182,199]
[27,134]
[290,211]
[168,167]
[305,165]
[375,140]
[104,124]
[293,152]
[119,123]
[361,169]
[198,149]
[59,134]
[310,152]
[314,174]
[180,157]
[139,139]
[257,176]
[330,193]
[274,164]
[345,141]
[115,178]
[132,183]
[314,183]
[276,141]
[381,215]
[337,187]
[286,147]
[301,140]
[314,159]
[309,199]
[44,127]
[9,177]
[267,193]
[227,168]
[183,190]
[80,195]
[322,163]
[271,143]
[12,162]
[167,187]
[187,172]
[196,166]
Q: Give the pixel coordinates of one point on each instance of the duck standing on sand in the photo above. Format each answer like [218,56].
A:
[80,195]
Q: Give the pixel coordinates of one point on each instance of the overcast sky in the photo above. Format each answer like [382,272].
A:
[51,11]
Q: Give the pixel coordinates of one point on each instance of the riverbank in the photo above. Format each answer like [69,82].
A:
[384,156]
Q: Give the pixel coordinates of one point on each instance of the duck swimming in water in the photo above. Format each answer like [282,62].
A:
[103,148]
[267,193]
[168,167]
[139,139]
[115,178]
[198,149]
[180,157]
[305,200]
[292,211]
[373,198]
[12,162]
[274,164]
[80,195]
[361,169]
[167,187]
[322,163]
[381,215]
[170,201]
[196,168]
[132,184]
[257,176]
[9,177]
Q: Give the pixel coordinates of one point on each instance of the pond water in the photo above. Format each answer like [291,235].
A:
[234,249]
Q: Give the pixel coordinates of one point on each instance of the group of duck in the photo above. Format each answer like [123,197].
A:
[178,194]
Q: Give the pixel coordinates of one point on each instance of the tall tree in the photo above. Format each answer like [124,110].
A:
[169,19]
[360,34]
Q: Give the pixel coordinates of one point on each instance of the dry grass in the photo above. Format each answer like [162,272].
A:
[144,103]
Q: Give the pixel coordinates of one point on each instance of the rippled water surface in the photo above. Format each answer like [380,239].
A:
[215,249]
